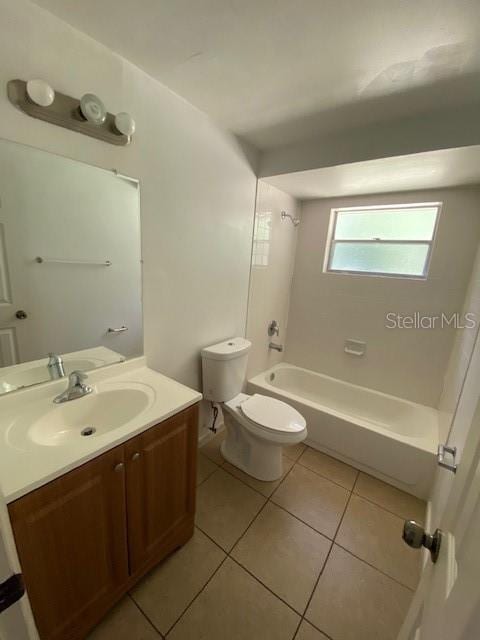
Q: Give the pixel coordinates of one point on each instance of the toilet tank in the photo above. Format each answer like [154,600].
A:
[224,366]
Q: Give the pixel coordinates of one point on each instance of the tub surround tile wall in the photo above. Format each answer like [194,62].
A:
[326,309]
[270,285]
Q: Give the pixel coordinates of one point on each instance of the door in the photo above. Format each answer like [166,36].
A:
[71,537]
[16,621]
[161,474]
[446,604]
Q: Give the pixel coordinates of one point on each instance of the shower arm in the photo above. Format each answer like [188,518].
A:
[295,221]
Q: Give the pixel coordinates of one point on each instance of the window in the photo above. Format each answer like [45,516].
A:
[393,240]
[261,239]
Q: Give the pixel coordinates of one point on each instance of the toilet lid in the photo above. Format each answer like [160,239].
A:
[273,414]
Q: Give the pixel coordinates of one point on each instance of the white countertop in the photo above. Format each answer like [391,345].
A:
[26,465]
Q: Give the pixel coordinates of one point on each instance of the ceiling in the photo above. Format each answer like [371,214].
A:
[279,71]
[430,170]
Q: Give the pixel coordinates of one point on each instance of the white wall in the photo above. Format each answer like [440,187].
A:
[326,309]
[197,188]
[270,284]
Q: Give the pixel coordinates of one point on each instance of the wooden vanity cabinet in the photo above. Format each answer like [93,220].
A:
[161,480]
[85,538]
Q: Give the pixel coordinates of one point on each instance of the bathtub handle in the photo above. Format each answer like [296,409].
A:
[273,329]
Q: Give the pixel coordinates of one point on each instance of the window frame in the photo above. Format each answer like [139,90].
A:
[331,241]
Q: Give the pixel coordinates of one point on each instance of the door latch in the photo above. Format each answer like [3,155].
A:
[452,451]
[414,535]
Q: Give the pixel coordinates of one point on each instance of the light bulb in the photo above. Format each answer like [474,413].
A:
[40,92]
[125,123]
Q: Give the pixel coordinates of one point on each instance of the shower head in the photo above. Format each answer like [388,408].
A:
[294,221]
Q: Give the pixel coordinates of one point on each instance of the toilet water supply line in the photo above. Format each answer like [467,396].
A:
[215,416]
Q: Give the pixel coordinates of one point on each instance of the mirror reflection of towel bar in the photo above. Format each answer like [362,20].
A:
[117,330]
[105,263]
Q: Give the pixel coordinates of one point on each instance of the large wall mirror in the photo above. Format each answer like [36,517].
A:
[70,267]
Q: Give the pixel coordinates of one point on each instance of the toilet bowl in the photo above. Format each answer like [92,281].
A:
[258,427]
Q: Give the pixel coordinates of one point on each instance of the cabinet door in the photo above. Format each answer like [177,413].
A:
[161,471]
[71,539]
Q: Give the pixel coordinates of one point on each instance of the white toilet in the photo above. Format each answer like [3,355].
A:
[258,427]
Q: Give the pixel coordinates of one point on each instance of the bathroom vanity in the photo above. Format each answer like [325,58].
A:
[92,513]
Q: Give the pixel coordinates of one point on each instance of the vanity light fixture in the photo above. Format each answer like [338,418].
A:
[88,116]
[40,92]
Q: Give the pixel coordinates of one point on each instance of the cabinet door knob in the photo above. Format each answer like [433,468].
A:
[136,456]
[118,467]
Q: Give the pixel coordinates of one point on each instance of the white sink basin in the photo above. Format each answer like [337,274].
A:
[74,421]
[90,416]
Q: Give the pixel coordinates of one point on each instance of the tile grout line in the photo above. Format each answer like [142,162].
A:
[380,506]
[321,475]
[129,595]
[401,584]
[227,555]
[313,591]
[327,559]
[197,595]
[353,554]
[237,562]
[345,510]
[279,506]
[209,476]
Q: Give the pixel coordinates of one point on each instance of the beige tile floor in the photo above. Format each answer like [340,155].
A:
[316,555]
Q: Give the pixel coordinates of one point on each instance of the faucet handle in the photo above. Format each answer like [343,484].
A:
[77,377]
[273,328]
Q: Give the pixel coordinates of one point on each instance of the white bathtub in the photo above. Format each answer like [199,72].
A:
[390,438]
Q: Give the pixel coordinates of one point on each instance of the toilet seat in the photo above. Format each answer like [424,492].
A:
[272,415]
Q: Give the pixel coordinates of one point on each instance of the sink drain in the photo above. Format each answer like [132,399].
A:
[88,431]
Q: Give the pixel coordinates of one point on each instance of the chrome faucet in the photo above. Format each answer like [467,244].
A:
[55,366]
[76,388]
[276,347]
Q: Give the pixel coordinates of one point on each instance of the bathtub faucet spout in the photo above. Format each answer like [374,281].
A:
[276,347]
